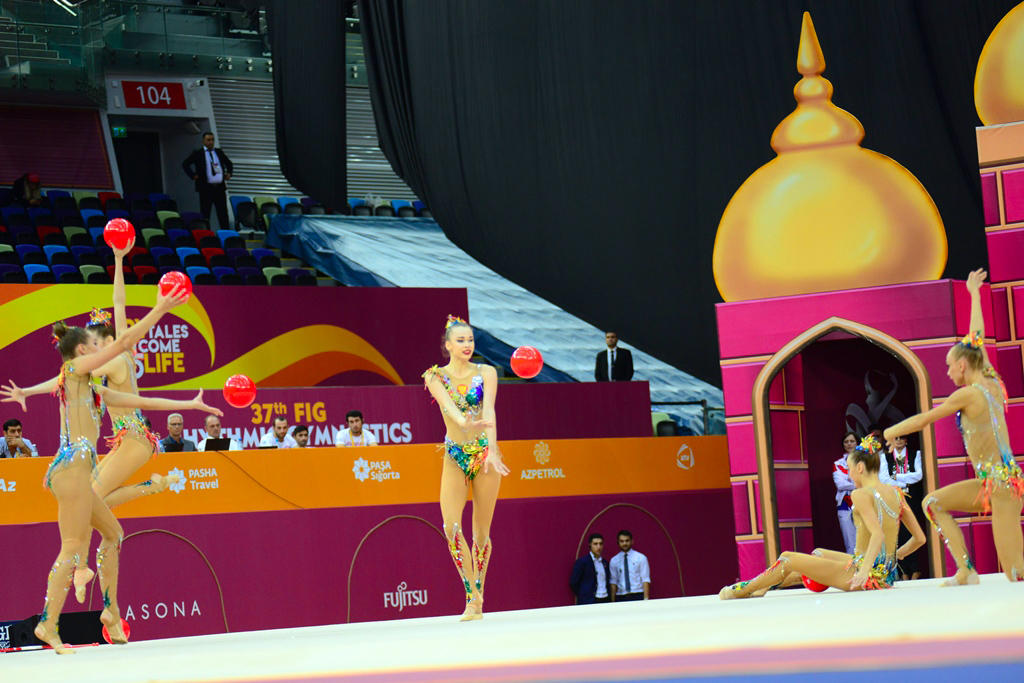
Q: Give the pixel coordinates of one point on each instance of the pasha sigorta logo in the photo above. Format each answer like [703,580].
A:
[403,597]
[361,469]
[378,470]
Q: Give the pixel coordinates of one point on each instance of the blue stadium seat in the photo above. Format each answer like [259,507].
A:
[50,194]
[220,271]
[236,239]
[87,213]
[97,235]
[62,268]
[353,202]
[118,213]
[51,249]
[284,201]
[396,204]
[32,268]
[26,250]
[237,199]
[193,271]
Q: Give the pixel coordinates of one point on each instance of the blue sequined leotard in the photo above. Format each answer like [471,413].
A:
[74,448]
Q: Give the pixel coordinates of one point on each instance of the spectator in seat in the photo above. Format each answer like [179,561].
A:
[301,435]
[355,435]
[175,442]
[589,578]
[210,168]
[278,436]
[613,364]
[213,431]
[630,572]
[26,191]
[14,445]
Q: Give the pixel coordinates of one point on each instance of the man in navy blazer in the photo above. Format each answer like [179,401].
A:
[210,168]
[589,578]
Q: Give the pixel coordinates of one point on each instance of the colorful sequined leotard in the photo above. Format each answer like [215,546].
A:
[884,570]
[75,394]
[469,399]
[989,451]
[131,424]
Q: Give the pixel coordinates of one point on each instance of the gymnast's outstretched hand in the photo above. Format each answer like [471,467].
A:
[198,404]
[12,393]
[494,460]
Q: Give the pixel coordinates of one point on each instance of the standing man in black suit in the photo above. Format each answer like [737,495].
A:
[589,578]
[210,168]
[614,364]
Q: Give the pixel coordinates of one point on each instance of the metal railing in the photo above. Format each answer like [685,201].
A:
[706,410]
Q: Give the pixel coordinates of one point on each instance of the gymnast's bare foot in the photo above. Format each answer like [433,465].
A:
[113,623]
[728,593]
[52,638]
[83,577]
[963,577]
[160,482]
[474,610]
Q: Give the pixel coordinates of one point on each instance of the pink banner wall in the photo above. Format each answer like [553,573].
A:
[310,567]
[404,414]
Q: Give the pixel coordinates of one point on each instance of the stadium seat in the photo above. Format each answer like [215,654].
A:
[139,260]
[293,209]
[150,233]
[41,216]
[51,234]
[96,234]
[236,239]
[197,224]
[231,279]
[118,213]
[237,199]
[425,213]
[105,197]
[33,269]
[53,251]
[15,275]
[189,216]
[207,241]
[145,219]
[10,268]
[268,210]
[150,278]
[157,252]
[242,260]
[67,203]
[362,210]
[80,252]
[353,202]
[190,257]
[193,271]
[164,203]
[9,212]
[60,269]
[271,272]
[247,216]
[79,195]
[384,210]
[173,223]
[96,221]
[162,216]
[160,240]
[94,274]
[92,203]
[285,201]
[142,271]
[72,277]
[266,258]
[406,212]
[137,203]
[215,257]
[220,271]
[30,253]
[50,194]
[116,204]
[397,204]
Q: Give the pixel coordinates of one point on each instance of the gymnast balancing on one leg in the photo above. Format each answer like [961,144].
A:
[132,443]
[69,475]
[878,510]
[466,394]
[980,404]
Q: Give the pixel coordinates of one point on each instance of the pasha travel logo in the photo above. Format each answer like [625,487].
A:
[179,485]
[403,597]
[377,470]
[684,457]
[542,454]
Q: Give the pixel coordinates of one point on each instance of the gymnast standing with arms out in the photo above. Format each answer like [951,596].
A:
[69,476]
[998,487]
[465,394]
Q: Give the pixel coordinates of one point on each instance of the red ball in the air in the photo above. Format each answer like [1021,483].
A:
[527,362]
[239,391]
[118,233]
[174,279]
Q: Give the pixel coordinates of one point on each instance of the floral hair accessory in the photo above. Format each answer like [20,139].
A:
[870,444]
[973,340]
[452,321]
[100,317]
[55,340]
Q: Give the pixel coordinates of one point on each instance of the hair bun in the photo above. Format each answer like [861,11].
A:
[59,329]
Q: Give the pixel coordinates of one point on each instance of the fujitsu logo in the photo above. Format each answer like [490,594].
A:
[403,598]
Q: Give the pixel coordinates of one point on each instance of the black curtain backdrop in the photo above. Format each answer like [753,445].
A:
[586,149]
[307,41]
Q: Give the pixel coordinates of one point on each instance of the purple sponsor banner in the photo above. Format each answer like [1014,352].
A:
[400,415]
[201,574]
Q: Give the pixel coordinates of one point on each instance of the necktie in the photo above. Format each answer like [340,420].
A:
[625,571]
[611,364]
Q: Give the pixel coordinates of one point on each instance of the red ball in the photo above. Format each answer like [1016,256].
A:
[239,391]
[813,585]
[118,233]
[124,627]
[174,279]
[527,362]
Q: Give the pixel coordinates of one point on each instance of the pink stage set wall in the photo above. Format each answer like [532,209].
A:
[928,317]
[397,414]
[199,574]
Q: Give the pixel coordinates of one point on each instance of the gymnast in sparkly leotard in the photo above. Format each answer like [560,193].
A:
[69,476]
[878,512]
[465,393]
[998,487]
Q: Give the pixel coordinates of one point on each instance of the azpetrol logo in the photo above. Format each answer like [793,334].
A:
[377,470]
[542,454]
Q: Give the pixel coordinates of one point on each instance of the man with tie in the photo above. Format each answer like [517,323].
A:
[630,573]
[589,578]
[210,168]
[613,364]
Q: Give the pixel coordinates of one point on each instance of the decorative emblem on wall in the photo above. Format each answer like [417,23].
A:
[877,405]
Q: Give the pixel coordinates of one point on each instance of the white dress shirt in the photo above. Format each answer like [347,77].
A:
[903,480]
[5,452]
[345,438]
[214,169]
[639,572]
[602,590]
[270,439]
[841,478]
[611,361]
[235,446]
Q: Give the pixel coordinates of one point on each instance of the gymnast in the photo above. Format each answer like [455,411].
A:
[878,511]
[980,405]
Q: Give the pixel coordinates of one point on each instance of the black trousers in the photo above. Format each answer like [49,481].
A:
[215,195]
[627,597]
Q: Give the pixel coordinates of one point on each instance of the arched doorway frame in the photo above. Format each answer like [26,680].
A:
[762,425]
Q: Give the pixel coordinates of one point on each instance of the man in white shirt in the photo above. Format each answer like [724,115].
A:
[14,445]
[896,470]
[210,168]
[355,435]
[630,573]
[213,432]
[278,436]
[301,436]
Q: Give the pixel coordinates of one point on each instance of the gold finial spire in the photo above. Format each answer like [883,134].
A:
[816,122]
